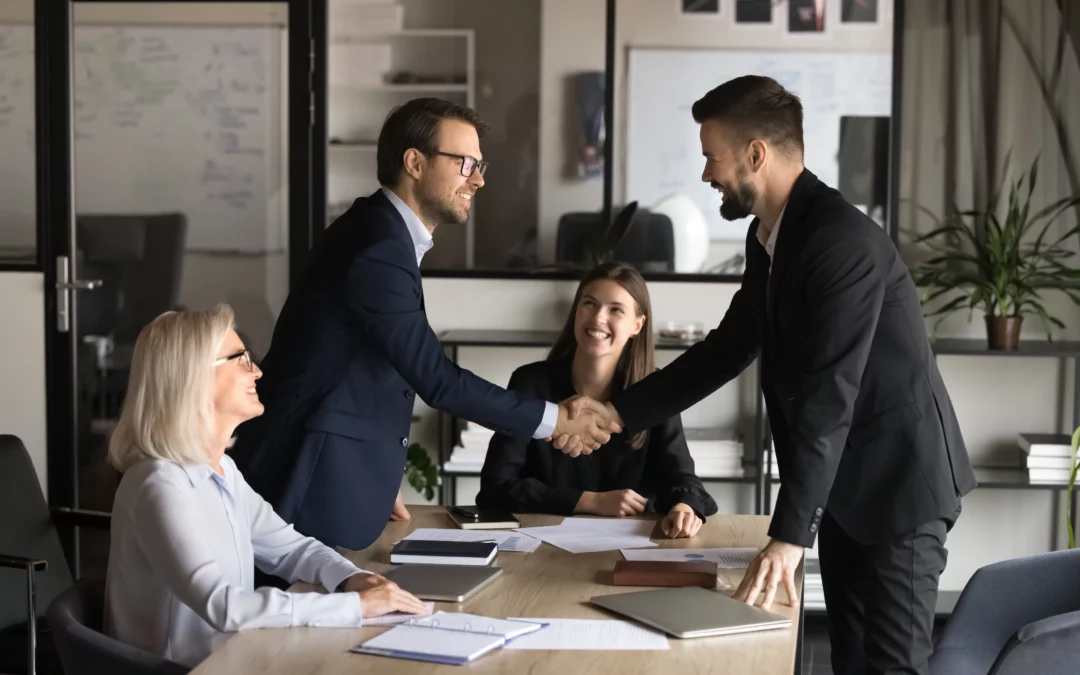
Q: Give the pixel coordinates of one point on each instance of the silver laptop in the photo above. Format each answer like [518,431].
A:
[690,612]
[444,583]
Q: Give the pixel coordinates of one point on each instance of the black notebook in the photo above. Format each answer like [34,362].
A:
[474,518]
[443,552]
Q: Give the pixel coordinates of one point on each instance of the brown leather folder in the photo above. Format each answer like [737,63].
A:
[663,573]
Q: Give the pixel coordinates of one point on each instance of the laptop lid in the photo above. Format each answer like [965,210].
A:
[444,583]
[690,612]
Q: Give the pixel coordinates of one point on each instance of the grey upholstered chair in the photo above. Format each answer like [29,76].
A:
[1016,617]
[76,620]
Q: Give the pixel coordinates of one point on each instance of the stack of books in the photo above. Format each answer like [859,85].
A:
[1048,457]
[813,592]
[717,453]
[468,456]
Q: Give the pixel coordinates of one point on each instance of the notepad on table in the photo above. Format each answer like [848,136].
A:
[448,638]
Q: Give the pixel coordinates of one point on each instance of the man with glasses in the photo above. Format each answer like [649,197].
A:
[353,348]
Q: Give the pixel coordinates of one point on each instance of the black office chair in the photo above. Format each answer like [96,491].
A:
[28,542]
[648,244]
[76,619]
[1015,617]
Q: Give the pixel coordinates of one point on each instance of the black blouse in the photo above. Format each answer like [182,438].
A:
[534,477]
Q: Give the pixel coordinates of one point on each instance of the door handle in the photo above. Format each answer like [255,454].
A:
[64,284]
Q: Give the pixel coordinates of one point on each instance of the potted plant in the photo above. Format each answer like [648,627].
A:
[999,265]
[421,472]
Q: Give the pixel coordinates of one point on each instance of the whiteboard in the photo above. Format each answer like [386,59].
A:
[166,119]
[663,151]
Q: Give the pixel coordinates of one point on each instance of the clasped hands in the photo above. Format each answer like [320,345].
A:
[584,425]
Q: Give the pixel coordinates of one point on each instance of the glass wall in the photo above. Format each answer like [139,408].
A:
[18,231]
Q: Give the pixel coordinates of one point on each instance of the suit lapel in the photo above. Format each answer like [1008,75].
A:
[790,237]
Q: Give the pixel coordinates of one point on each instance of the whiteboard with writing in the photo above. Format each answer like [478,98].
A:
[663,151]
[166,119]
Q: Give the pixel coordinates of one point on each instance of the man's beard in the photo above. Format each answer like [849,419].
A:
[740,202]
[440,210]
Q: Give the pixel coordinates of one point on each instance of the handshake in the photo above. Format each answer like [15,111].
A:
[584,425]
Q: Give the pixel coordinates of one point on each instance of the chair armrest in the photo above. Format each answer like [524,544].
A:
[20,563]
[1047,647]
[99,520]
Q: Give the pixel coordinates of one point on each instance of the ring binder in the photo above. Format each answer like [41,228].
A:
[431,640]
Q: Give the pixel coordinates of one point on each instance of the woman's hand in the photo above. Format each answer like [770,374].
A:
[681,521]
[616,503]
[389,597]
[358,583]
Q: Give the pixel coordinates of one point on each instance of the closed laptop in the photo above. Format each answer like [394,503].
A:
[691,612]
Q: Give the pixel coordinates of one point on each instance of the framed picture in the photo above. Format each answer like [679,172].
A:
[806,16]
[753,11]
[859,11]
[699,7]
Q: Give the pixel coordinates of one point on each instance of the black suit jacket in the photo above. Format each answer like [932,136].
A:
[534,477]
[350,351]
[861,420]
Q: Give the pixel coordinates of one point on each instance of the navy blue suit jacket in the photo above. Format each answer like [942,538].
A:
[350,352]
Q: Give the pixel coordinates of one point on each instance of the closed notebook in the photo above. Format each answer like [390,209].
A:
[435,552]
[475,518]
[664,573]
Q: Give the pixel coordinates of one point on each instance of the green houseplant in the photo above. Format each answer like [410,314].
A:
[421,472]
[999,263]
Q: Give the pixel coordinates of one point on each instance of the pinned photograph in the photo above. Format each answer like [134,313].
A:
[753,11]
[806,16]
[858,11]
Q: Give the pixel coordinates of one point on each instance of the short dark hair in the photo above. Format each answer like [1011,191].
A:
[755,106]
[416,125]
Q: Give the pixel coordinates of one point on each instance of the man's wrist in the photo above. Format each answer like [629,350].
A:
[586,503]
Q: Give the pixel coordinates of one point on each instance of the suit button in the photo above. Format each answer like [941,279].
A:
[409,393]
[404,442]
[818,511]
[813,527]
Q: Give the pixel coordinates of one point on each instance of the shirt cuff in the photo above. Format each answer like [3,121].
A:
[547,424]
[335,574]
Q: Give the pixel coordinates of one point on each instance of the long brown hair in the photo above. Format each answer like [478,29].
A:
[637,358]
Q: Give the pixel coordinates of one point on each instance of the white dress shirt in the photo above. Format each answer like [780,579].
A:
[422,242]
[767,238]
[181,574]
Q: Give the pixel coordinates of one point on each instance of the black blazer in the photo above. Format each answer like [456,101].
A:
[350,352]
[534,477]
[861,420]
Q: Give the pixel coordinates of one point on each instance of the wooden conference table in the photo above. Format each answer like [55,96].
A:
[548,582]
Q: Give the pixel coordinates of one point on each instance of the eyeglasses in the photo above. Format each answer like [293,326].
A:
[245,360]
[469,165]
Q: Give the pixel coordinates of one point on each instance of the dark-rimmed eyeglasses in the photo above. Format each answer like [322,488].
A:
[469,165]
[245,360]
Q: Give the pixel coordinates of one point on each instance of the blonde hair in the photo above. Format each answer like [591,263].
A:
[168,412]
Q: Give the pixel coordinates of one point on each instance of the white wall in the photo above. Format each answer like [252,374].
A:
[22,363]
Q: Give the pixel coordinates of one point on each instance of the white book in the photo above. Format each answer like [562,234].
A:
[1046,445]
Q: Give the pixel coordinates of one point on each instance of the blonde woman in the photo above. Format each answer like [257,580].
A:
[187,529]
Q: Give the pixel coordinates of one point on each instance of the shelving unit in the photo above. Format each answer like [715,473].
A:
[369,74]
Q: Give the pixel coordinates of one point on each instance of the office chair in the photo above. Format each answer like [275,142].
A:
[1015,617]
[648,245]
[76,617]
[28,542]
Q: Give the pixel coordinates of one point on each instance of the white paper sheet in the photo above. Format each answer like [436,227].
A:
[589,535]
[394,618]
[727,558]
[590,634]
[508,541]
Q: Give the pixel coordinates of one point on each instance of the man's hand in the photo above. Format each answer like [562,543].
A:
[584,425]
[616,503]
[399,512]
[389,597]
[681,521]
[358,583]
[776,563]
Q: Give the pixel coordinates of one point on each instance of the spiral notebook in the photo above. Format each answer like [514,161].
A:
[448,638]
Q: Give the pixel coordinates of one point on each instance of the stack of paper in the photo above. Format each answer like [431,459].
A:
[591,634]
[717,453]
[470,454]
[394,618]
[1049,457]
[589,535]
[507,541]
